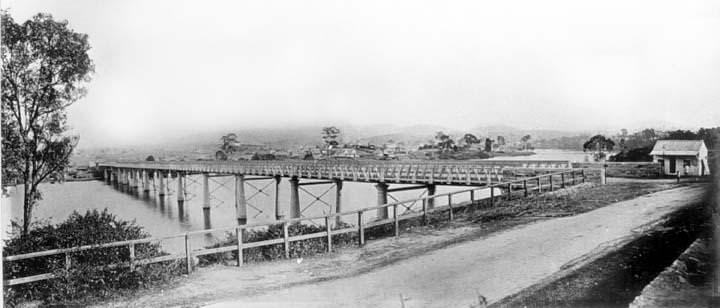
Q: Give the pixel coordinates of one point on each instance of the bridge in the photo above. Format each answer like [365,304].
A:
[422,175]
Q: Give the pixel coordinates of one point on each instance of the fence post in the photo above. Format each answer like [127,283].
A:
[551,182]
[68,261]
[450,211]
[539,184]
[472,196]
[361,229]
[286,239]
[424,205]
[239,235]
[187,254]
[131,247]
[329,233]
[509,196]
[562,179]
[525,188]
[573,177]
[582,173]
[492,196]
[397,220]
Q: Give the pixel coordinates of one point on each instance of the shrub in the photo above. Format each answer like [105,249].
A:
[89,274]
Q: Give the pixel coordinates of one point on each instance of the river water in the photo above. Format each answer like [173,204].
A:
[163,216]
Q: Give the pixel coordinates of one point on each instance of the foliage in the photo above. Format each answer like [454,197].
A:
[488,145]
[708,135]
[267,156]
[229,143]
[150,158]
[711,136]
[444,141]
[470,139]
[600,144]
[525,140]
[563,143]
[89,275]
[330,136]
[44,65]
[220,155]
[636,154]
[500,140]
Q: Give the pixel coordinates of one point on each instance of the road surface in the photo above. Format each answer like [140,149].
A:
[495,266]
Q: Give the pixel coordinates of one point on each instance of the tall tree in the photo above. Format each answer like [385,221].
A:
[600,144]
[228,143]
[488,145]
[444,141]
[45,65]
[331,136]
[525,140]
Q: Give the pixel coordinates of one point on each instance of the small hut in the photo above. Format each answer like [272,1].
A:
[683,157]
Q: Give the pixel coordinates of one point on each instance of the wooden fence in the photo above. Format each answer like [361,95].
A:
[523,186]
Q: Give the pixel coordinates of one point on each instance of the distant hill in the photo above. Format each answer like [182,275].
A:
[205,143]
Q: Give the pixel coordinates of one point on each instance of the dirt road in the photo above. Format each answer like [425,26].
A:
[495,266]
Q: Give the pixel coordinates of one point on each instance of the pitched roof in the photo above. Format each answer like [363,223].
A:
[677,147]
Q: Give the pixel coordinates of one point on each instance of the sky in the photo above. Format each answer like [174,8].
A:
[167,68]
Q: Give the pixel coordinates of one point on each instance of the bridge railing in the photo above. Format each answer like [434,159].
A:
[452,173]
[526,185]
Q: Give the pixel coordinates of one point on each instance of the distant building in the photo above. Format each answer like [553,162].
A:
[347,153]
[686,157]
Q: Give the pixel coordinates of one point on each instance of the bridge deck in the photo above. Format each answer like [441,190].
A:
[426,172]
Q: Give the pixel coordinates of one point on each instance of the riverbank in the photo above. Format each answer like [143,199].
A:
[259,281]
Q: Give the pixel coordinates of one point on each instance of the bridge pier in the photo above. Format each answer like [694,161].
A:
[240,201]
[180,188]
[382,192]
[294,197]
[206,198]
[105,175]
[146,181]
[279,212]
[161,178]
[136,180]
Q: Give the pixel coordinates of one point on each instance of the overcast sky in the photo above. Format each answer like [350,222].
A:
[166,68]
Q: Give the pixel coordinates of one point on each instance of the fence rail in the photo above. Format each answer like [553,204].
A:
[524,185]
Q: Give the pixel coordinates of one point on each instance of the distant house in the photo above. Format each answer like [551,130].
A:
[347,153]
[686,157]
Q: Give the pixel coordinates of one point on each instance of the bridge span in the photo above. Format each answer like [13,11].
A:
[423,175]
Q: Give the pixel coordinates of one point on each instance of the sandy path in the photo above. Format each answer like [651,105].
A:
[495,266]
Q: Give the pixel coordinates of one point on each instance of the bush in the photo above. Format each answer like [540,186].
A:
[89,275]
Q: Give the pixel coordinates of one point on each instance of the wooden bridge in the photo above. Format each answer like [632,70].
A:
[425,174]
[473,173]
